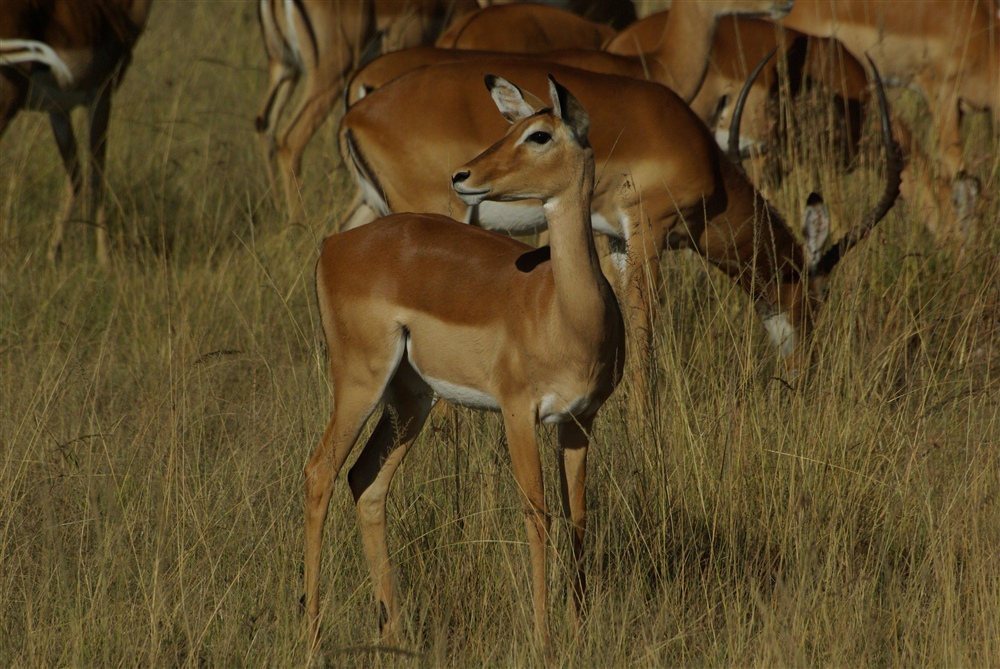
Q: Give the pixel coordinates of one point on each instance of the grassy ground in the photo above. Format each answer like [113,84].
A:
[154,422]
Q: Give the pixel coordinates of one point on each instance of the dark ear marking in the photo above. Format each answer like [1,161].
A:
[569,109]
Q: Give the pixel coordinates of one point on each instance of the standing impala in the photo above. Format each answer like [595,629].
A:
[415,305]
[949,50]
[663,183]
[320,41]
[59,54]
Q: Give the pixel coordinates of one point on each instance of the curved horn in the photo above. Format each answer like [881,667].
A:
[733,150]
[894,166]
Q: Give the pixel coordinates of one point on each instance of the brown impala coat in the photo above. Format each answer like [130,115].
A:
[415,305]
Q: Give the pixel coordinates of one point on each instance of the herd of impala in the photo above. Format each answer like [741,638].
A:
[420,305]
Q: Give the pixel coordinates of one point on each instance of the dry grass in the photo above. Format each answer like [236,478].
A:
[154,421]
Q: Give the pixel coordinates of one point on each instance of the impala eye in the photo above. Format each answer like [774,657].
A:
[539,137]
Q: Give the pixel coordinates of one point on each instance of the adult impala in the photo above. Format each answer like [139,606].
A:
[663,183]
[679,60]
[56,55]
[320,41]
[740,43]
[948,49]
[415,305]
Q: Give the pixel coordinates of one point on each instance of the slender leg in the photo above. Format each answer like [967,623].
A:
[100,113]
[281,82]
[574,438]
[355,397]
[323,88]
[525,461]
[62,128]
[642,281]
[408,401]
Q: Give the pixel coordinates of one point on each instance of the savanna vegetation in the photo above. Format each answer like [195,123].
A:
[155,419]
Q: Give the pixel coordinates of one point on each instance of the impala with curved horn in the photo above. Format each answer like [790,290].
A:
[418,305]
[950,51]
[663,183]
[320,41]
[808,62]
[56,55]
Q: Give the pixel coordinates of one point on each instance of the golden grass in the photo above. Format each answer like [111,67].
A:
[154,422]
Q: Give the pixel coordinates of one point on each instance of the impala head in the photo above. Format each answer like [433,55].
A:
[800,303]
[544,154]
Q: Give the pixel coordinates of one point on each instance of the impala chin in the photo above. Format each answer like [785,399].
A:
[471,196]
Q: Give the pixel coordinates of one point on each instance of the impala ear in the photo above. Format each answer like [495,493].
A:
[509,99]
[569,109]
[815,228]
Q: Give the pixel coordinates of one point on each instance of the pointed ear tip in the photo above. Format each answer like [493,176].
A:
[814,198]
[491,80]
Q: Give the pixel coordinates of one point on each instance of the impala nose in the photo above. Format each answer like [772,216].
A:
[459,177]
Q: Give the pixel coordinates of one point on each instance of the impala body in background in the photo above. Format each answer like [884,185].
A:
[56,55]
[739,44]
[415,305]
[947,49]
[524,27]
[662,183]
[320,41]
[678,61]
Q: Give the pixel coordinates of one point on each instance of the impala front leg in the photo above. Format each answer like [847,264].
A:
[525,461]
[574,438]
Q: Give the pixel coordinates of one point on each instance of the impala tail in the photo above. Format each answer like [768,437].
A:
[17,51]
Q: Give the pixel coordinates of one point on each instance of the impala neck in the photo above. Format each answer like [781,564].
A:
[684,48]
[576,268]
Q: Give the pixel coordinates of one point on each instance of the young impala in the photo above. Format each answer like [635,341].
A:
[56,55]
[663,183]
[417,305]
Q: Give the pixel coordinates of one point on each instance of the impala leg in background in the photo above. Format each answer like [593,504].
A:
[99,114]
[323,87]
[408,401]
[574,439]
[641,292]
[62,129]
[281,81]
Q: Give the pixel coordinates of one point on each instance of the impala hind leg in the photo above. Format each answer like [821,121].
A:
[323,87]
[281,82]
[408,400]
[574,438]
[525,461]
[358,388]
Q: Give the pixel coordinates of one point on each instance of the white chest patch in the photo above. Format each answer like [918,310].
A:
[518,218]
